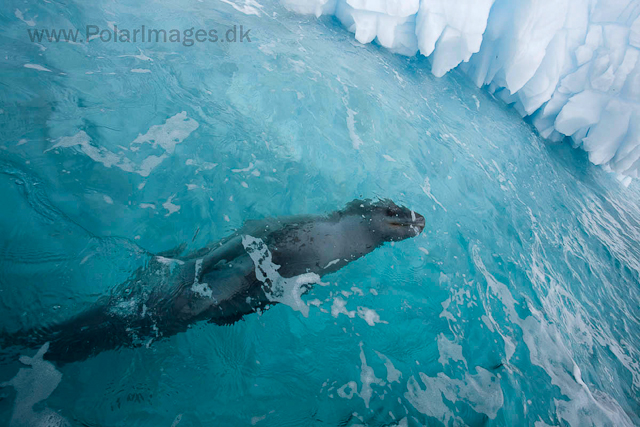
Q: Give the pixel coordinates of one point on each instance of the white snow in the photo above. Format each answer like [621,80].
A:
[339,307]
[330,263]
[30,22]
[393,374]
[351,125]
[141,56]
[163,138]
[37,67]
[170,206]
[201,289]
[280,289]
[481,391]
[572,65]
[250,7]
[370,316]
[33,384]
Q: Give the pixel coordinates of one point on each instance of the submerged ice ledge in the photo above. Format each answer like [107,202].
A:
[572,65]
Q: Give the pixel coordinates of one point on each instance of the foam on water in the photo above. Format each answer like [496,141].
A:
[34,385]
[279,289]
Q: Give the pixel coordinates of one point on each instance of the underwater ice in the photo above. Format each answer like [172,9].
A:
[571,65]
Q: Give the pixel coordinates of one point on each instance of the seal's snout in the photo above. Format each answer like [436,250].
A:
[419,222]
[401,222]
[388,220]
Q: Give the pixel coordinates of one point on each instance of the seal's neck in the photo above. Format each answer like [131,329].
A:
[324,245]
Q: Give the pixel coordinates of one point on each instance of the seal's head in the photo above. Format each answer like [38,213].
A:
[390,221]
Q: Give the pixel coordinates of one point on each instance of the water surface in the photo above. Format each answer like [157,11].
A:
[517,305]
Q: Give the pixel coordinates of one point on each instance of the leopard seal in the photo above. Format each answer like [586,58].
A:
[224,281]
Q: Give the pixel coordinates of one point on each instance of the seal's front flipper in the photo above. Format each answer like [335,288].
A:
[226,249]
[227,320]
[173,253]
[229,251]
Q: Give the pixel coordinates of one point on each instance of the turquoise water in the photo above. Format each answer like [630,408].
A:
[518,304]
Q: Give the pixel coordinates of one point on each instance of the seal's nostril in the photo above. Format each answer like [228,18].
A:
[419,222]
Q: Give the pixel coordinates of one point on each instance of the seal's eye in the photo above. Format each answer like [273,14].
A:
[392,212]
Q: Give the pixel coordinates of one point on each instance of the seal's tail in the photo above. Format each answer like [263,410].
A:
[12,345]
[77,339]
